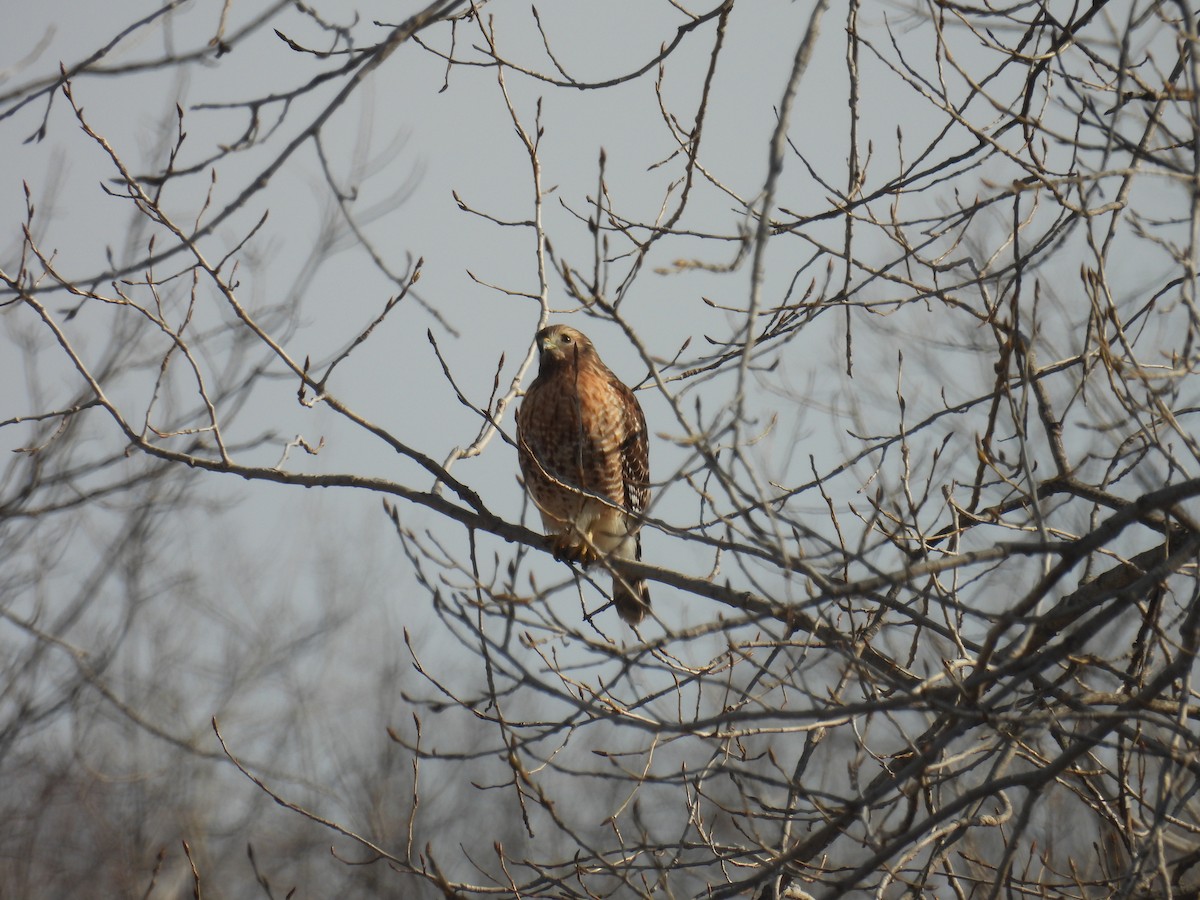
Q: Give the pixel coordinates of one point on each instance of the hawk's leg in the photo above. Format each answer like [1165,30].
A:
[566,547]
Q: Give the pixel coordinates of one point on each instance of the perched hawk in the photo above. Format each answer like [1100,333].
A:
[581,440]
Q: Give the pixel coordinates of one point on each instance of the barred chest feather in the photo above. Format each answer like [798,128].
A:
[576,427]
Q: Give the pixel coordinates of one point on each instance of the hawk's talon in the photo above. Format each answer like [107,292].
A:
[563,548]
[586,554]
[566,549]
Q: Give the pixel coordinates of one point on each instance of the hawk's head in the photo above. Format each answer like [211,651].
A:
[561,345]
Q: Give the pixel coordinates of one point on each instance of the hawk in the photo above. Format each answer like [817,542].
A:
[581,441]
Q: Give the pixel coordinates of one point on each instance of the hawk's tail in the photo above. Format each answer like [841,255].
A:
[630,595]
[631,598]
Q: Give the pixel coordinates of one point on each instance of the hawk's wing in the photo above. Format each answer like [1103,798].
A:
[635,451]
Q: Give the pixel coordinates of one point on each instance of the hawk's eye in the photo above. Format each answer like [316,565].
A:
[566,339]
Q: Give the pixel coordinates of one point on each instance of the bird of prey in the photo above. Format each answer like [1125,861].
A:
[585,457]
